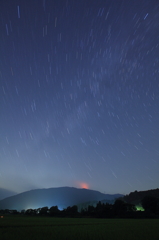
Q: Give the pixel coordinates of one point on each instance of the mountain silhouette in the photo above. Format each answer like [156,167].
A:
[61,197]
[136,197]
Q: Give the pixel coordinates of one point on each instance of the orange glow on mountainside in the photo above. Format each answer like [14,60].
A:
[84,185]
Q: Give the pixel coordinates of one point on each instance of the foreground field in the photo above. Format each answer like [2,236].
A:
[40,228]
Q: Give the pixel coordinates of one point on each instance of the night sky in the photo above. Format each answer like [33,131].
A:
[79,94]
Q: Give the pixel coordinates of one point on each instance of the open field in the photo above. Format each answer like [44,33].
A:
[18,227]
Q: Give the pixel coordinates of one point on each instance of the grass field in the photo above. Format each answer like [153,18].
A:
[28,228]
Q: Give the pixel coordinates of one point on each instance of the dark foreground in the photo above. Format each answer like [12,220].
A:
[19,227]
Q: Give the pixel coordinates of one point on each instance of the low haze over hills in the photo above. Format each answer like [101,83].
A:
[4,193]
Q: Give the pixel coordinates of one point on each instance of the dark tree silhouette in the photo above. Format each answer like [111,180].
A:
[70,211]
[91,211]
[54,211]
[30,212]
[151,204]
[43,211]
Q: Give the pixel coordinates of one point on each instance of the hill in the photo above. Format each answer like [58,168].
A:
[61,197]
[136,197]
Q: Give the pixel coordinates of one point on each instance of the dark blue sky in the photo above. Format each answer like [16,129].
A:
[79,94]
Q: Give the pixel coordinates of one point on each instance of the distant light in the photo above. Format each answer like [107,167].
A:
[60,208]
[140,208]
[84,185]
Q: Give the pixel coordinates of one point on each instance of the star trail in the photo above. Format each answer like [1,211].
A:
[79,94]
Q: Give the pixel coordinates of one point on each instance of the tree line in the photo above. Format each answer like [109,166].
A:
[119,209]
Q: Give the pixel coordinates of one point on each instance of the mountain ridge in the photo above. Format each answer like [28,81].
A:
[137,196]
[60,196]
